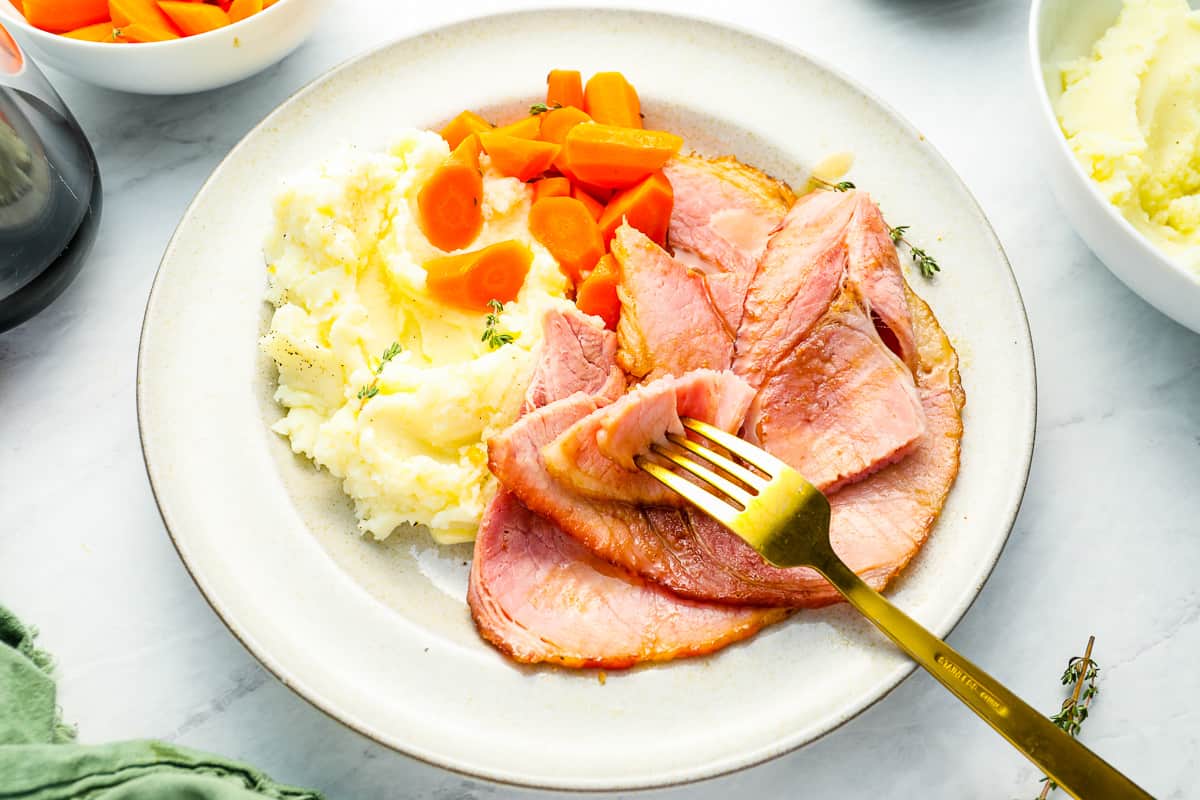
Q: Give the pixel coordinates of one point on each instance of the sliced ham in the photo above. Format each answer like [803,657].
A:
[658,338]
[840,405]
[724,213]
[538,594]
[800,274]
[874,268]
[877,526]
[595,456]
[576,355]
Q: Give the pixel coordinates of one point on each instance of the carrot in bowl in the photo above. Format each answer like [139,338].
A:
[612,100]
[616,157]
[451,201]
[61,16]
[646,206]
[472,280]
[566,228]
[144,18]
[564,87]
[597,294]
[462,126]
[193,18]
[551,187]
[516,157]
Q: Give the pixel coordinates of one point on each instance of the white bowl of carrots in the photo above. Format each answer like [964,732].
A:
[592,167]
[161,46]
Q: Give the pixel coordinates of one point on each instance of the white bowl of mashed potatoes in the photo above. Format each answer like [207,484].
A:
[1118,85]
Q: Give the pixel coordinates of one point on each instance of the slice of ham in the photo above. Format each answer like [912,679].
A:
[877,526]
[840,405]
[538,594]
[658,338]
[724,212]
[800,274]
[595,456]
[576,355]
[874,268]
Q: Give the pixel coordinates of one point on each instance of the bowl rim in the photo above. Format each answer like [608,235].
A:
[1062,149]
[9,14]
[316,699]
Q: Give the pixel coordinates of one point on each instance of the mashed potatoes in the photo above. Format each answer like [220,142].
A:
[346,280]
[1131,112]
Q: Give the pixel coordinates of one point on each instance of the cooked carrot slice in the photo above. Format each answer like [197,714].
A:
[612,100]
[594,206]
[141,21]
[61,16]
[646,206]
[240,9]
[615,157]
[194,18]
[557,123]
[551,187]
[143,32]
[597,294]
[451,201]
[564,87]
[568,230]
[462,126]
[472,280]
[524,128]
[100,32]
[518,158]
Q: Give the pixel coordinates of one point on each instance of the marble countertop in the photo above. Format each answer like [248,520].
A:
[1106,542]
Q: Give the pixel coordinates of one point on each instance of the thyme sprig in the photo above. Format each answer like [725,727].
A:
[926,263]
[371,389]
[1082,672]
[542,108]
[491,335]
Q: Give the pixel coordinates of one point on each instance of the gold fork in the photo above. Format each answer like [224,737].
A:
[786,519]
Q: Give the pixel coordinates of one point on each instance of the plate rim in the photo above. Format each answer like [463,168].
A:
[314,697]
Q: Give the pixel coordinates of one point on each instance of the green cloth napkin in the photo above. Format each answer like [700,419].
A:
[39,761]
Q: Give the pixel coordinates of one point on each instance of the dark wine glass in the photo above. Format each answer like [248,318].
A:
[49,190]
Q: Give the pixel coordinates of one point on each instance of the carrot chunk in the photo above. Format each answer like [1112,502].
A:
[240,9]
[462,126]
[597,294]
[193,18]
[614,157]
[100,32]
[551,187]
[612,100]
[557,123]
[646,206]
[143,32]
[594,206]
[568,230]
[451,201]
[564,87]
[471,280]
[61,16]
[524,128]
[141,21]
[518,158]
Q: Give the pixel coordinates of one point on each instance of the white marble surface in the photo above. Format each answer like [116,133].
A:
[1106,542]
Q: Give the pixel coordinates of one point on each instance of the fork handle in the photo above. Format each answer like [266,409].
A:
[1075,768]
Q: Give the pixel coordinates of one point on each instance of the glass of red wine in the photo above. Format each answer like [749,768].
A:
[49,190]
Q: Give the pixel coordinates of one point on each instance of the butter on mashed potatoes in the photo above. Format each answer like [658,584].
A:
[346,280]
[1131,113]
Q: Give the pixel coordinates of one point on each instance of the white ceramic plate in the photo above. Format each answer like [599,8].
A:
[379,636]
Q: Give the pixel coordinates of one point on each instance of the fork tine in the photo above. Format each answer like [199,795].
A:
[726,465]
[739,447]
[678,456]
[705,501]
